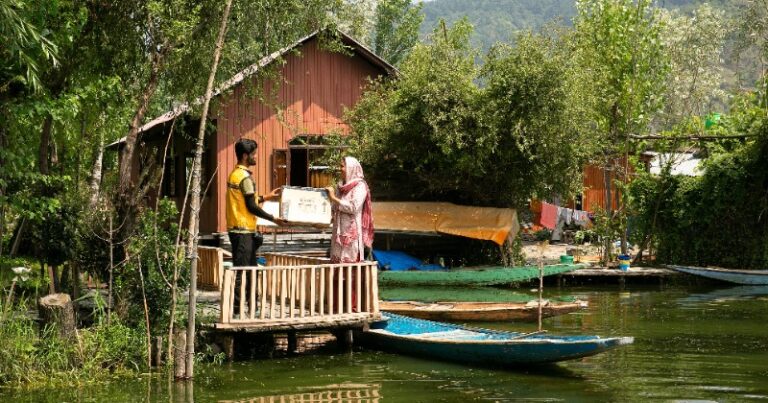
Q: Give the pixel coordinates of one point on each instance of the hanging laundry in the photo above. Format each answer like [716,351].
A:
[567,215]
[563,216]
[549,215]
[582,218]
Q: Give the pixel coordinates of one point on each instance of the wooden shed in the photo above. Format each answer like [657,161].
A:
[286,114]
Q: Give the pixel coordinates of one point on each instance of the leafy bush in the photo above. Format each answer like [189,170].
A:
[149,270]
[718,218]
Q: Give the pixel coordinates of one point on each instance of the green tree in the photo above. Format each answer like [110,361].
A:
[533,104]
[694,47]
[434,134]
[395,28]
[620,44]
[424,126]
[25,46]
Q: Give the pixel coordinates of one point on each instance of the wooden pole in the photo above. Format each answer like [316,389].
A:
[111,268]
[146,317]
[542,247]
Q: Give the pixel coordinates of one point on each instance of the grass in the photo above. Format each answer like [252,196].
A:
[35,357]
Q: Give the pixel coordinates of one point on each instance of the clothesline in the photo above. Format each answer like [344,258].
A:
[555,217]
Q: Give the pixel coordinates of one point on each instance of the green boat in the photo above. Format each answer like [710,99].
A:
[472,276]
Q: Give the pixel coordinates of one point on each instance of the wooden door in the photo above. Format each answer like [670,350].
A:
[281,167]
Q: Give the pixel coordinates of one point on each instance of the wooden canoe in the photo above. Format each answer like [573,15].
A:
[480,311]
[470,345]
[746,277]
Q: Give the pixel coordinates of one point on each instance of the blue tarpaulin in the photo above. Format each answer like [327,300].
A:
[399,261]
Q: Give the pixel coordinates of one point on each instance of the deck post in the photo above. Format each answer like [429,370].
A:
[228,346]
[293,343]
[345,339]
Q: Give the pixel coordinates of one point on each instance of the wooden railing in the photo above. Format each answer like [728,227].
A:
[210,267]
[313,292]
[285,259]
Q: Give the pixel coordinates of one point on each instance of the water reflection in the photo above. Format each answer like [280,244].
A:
[351,393]
[726,294]
[687,348]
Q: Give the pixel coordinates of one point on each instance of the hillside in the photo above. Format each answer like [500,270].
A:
[498,20]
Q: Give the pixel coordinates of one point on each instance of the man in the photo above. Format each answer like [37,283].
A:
[243,208]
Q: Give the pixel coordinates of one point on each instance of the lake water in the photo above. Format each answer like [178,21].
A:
[691,344]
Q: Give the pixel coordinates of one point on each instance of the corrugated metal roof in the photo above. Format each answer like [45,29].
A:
[685,163]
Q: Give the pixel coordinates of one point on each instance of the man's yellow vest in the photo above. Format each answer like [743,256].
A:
[238,216]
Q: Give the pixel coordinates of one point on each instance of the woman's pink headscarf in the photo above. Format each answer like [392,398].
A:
[353,178]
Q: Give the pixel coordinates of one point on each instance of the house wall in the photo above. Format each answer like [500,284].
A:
[593,196]
[180,148]
[316,86]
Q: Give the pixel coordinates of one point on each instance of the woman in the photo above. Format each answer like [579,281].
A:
[352,217]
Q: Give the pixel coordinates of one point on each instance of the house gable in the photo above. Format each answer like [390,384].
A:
[314,88]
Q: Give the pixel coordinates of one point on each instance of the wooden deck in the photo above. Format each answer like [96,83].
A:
[299,293]
[632,272]
[601,275]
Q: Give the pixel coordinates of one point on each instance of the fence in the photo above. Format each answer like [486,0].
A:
[297,289]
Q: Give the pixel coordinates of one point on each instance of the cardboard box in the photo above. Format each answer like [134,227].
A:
[305,205]
[271,207]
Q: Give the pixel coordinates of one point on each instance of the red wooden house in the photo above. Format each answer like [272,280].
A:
[306,101]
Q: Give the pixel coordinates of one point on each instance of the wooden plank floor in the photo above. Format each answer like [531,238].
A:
[351,320]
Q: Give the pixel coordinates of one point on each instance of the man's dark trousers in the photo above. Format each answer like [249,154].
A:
[244,248]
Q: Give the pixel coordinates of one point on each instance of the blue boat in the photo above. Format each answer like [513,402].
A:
[746,277]
[481,346]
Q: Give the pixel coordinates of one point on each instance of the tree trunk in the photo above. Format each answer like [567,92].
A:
[2,221]
[146,317]
[194,207]
[94,183]
[111,268]
[75,284]
[45,144]
[57,310]
[55,155]
[649,235]
[64,278]
[17,238]
[127,205]
[157,351]
[179,354]
[53,287]
[127,155]
[607,242]
[3,148]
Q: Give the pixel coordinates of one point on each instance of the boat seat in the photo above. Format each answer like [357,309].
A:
[454,334]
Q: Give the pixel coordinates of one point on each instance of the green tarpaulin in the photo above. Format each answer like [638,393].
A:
[484,276]
[465,294]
